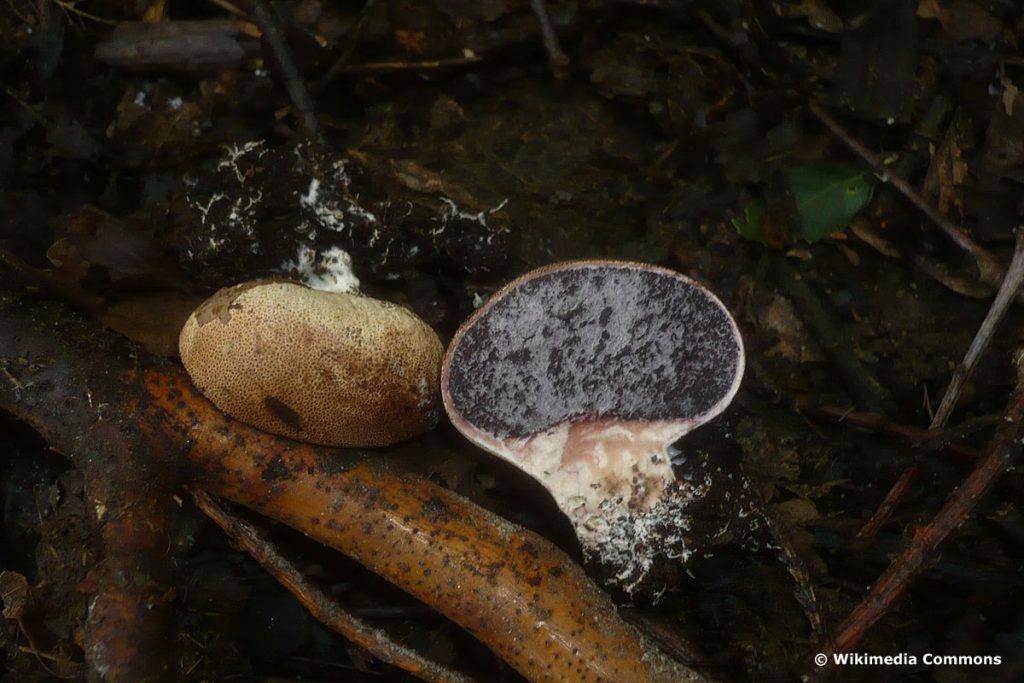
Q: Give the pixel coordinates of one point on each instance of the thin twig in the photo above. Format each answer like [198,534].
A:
[26,106]
[1007,291]
[926,540]
[989,267]
[885,510]
[943,441]
[352,37]
[293,83]
[319,604]
[229,7]
[803,587]
[72,9]
[425,65]
[938,440]
[557,59]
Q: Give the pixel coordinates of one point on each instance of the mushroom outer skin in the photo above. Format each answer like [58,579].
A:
[330,368]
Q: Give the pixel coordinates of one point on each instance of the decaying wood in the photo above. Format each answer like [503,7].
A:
[182,46]
[85,412]
[512,589]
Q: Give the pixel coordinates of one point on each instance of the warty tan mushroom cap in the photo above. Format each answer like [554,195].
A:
[329,368]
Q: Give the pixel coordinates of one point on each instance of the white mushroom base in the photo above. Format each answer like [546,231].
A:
[615,482]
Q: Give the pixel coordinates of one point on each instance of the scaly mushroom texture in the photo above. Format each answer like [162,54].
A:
[331,368]
[583,374]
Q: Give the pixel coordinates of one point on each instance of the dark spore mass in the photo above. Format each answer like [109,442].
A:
[594,339]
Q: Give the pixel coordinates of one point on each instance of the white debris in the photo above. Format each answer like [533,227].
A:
[453,211]
[309,199]
[236,152]
[330,271]
[330,211]
[204,209]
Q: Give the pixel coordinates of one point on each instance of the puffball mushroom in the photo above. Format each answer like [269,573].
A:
[583,374]
[330,368]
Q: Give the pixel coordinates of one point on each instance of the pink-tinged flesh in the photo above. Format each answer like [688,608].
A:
[614,481]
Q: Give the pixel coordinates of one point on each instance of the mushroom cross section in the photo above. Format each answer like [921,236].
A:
[583,374]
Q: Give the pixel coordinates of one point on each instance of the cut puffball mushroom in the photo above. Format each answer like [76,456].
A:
[331,368]
[583,374]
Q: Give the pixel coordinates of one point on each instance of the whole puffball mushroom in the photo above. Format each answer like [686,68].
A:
[583,374]
[330,368]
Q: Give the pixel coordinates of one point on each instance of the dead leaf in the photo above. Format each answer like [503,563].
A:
[1010,93]
[68,264]
[864,228]
[796,512]
[817,12]
[793,342]
[13,594]
[16,596]
[948,170]
[963,20]
[153,319]
[803,544]
[124,247]
[961,283]
[71,140]
[414,42]
[417,177]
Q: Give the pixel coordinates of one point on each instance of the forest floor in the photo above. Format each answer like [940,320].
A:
[147,160]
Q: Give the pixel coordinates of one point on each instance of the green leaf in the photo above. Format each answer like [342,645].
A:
[749,224]
[828,196]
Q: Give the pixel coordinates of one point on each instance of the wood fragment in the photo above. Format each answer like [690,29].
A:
[193,47]
[84,411]
[425,65]
[352,38]
[442,549]
[557,60]
[940,440]
[1009,289]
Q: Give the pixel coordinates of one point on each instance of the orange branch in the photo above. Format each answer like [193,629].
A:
[512,589]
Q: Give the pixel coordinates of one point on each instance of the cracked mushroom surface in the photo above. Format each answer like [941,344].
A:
[583,374]
[330,368]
